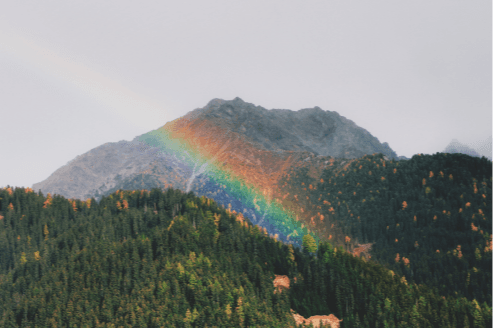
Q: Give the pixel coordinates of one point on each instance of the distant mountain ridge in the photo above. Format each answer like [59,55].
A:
[455,147]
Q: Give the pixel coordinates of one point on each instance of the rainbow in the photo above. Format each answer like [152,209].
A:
[272,214]
[137,110]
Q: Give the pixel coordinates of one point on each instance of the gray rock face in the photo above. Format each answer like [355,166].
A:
[103,168]
[311,129]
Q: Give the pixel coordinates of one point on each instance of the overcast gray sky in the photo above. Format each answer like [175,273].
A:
[77,74]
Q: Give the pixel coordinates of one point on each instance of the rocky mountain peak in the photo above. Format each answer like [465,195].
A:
[253,142]
[309,129]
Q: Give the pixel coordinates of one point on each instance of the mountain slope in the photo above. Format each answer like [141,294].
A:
[223,130]
[428,218]
[231,151]
[170,259]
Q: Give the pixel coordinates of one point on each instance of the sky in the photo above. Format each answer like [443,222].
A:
[77,74]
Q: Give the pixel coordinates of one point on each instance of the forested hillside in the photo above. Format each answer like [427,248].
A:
[428,218]
[170,259]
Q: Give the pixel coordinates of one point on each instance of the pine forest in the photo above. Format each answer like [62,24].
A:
[402,244]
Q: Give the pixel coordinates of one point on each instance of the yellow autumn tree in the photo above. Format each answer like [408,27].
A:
[46,232]
[23,258]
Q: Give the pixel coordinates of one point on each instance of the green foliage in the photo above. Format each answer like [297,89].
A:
[175,260]
[309,244]
[171,260]
[433,210]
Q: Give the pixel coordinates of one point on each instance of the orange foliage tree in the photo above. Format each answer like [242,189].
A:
[48,201]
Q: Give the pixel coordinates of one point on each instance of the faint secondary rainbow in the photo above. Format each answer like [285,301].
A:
[282,220]
[115,97]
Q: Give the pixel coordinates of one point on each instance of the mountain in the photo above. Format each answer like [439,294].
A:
[455,147]
[224,130]
[424,220]
[424,217]
[231,151]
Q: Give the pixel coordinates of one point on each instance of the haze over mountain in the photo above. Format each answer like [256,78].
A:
[484,147]
[455,147]
[479,149]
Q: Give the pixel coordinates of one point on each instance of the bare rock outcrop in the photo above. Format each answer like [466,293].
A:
[282,282]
